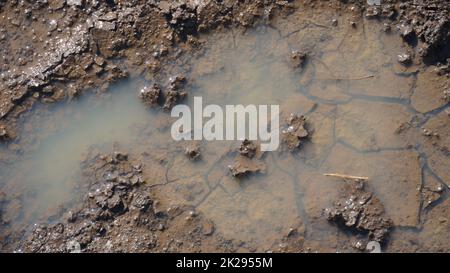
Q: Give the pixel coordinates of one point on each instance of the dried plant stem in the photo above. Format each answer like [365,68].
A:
[344,176]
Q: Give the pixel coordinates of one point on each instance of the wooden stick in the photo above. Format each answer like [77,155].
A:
[344,176]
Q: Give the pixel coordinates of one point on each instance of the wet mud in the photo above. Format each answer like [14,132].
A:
[87,163]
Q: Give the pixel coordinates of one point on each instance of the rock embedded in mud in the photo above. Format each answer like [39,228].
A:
[296,133]
[361,211]
[150,95]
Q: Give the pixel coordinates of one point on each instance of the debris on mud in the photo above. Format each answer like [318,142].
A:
[296,132]
[119,215]
[248,161]
[360,211]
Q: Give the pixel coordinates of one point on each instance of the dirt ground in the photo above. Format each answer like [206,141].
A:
[56,50]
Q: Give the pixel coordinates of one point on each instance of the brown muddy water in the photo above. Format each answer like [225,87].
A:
[352,90]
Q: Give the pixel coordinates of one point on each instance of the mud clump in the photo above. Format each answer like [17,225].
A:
[151,95]
[174,93]
[193,152]
[110,195]
[431,192]
[4,133]
[119,215]
[248,148]
[191,17]
[360,211]
[181,15]
[404,58]
[424,21]
[154,96]
[244,166]
[407,33]
[248,160]
[296,132]
[298,59]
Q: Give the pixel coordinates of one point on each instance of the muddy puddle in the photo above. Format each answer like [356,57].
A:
[44,167]
[354,93]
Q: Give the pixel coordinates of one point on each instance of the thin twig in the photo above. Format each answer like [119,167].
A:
[344,176]
[348,79]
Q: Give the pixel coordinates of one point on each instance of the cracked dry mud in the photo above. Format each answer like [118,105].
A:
[367,115]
